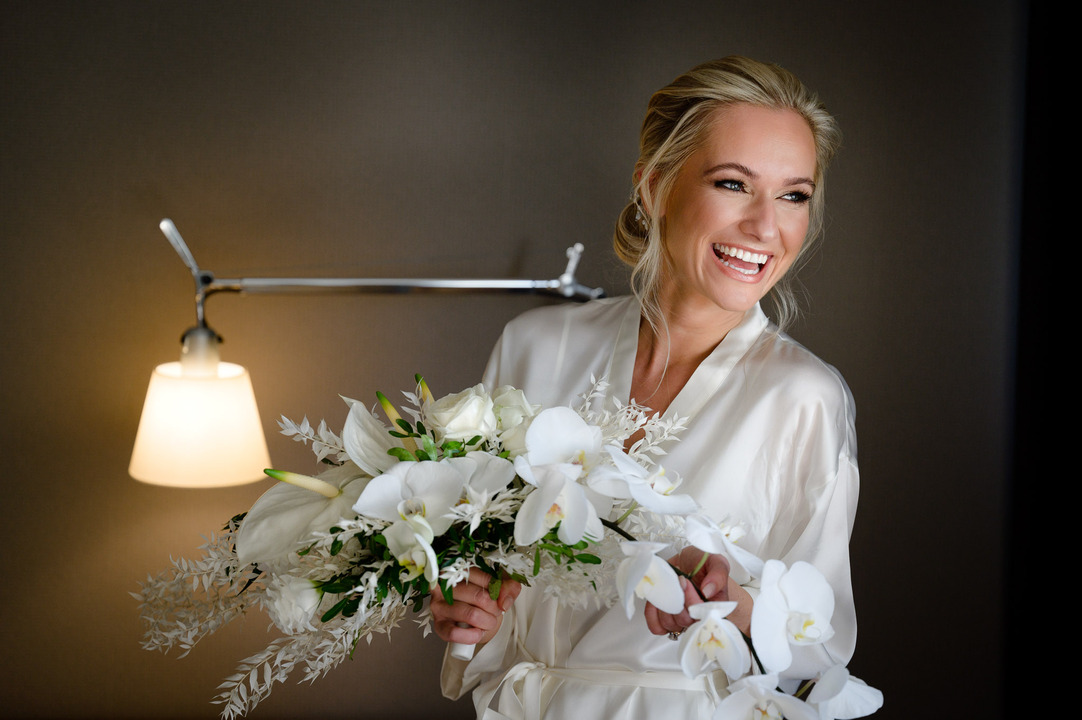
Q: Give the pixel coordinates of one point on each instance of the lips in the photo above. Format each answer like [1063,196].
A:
[743,261]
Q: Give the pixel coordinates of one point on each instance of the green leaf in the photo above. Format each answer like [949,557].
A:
[401,453]
[494,587]
[588,559]
[404,424]
[448,594]
[336,546]
[337,608]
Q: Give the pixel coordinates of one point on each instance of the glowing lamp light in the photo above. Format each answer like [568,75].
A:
[200,426]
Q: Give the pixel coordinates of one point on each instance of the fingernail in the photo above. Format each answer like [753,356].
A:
[709,589]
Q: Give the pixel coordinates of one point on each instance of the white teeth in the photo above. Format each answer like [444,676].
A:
[745,255]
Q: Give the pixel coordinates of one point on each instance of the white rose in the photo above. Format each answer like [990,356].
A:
[462,416]
[512,408]
[513,416]
[293,603]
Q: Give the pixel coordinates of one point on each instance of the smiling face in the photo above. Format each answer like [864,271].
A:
[738,211]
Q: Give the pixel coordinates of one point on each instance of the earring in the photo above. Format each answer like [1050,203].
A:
[640,217]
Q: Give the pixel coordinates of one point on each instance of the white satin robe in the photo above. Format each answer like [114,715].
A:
[770,444]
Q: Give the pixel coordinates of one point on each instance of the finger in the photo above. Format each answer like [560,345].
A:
[470,594]
[453,632]
[509,591]
[714,581]
[479,577]
[683,618]
[653,620]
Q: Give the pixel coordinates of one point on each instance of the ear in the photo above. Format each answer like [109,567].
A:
[652,184]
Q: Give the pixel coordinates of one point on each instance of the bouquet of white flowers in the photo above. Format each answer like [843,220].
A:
[549,497]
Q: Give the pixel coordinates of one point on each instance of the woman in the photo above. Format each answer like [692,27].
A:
[728,199]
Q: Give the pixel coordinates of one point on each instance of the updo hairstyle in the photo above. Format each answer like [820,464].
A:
[677,120]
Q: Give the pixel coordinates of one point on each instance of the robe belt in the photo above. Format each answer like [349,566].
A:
[529,686]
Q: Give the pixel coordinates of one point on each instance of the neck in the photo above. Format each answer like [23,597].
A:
[666,358]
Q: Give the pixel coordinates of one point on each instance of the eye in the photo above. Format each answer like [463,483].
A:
[731,185]
[796,196]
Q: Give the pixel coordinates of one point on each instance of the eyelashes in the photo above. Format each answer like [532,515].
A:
[797,197]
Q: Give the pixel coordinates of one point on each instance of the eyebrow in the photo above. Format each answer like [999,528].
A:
[745,170]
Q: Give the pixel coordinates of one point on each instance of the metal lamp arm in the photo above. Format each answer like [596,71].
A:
[206,284]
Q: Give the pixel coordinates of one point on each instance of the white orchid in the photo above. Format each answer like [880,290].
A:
[794,607]
[285,516]
[486,477]
[643,574]
[653,490]
[425,489]
[755,697]
[410,541]
[721,538]
[840,696]
[556,500]
[713,642]
[560,435]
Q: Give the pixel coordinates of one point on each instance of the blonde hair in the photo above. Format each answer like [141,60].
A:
[676,122]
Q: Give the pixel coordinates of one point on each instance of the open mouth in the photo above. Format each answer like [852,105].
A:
[744,262]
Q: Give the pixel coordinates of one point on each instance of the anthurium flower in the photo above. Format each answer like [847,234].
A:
[426,489]
[367,440]
[840,696]
[462,415]
[721,539]
[292,602]
[794,607]
[755,697]
[285,516]
[713,642]
[557,500]
[643,574]
[410,541]
[650,489]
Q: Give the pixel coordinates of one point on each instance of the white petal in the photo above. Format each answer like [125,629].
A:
[560,435]
[367,440]
[285,516]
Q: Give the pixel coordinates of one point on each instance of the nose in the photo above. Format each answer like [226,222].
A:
[760,219]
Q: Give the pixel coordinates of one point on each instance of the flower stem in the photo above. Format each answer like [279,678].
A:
[630,510]
[702,561]
[619,530]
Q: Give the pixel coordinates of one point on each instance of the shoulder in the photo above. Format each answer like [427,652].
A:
[589,317]
[798,375]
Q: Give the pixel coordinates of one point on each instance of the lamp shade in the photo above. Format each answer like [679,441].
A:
[199,431]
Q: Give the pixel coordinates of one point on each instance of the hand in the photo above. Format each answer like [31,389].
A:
[473,617]
[712,581]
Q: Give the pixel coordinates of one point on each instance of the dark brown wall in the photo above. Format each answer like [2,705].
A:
[466,139]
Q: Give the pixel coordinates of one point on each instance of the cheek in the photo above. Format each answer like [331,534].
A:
[794,233]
